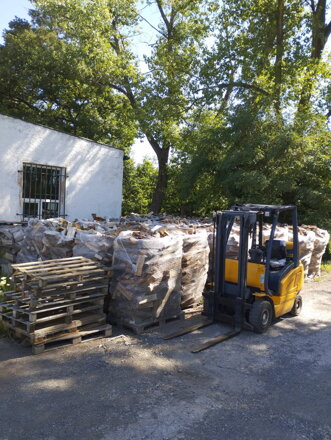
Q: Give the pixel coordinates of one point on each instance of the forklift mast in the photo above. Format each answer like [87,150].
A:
[228,294]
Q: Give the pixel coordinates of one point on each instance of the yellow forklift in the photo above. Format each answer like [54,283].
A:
[258,284]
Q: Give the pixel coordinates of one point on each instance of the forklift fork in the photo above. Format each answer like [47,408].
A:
[224,294]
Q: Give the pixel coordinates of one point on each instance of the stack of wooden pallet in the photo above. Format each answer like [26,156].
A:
[56,300]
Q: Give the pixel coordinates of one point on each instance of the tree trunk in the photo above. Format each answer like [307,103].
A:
[320,34]
[279,54]
[320,30]
[162,180]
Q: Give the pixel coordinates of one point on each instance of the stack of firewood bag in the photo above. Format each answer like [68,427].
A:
[146,282]
[195,264]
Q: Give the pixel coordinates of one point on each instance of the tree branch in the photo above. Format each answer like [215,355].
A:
[156,29]
[154,144]
[238,84]
[18,100]
[164,17]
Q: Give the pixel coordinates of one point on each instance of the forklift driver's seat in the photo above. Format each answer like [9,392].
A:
[278,250]
[278,254]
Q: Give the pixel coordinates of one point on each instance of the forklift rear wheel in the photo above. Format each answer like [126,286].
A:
[261,316]
[297,306]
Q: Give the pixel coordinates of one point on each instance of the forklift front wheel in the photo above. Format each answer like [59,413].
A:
[261,316]
[297,306]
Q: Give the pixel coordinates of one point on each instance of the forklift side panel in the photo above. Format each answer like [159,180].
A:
[255,273]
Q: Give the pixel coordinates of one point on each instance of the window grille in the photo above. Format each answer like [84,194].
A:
[43,191]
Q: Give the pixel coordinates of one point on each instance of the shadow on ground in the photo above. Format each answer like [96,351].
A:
[271,386]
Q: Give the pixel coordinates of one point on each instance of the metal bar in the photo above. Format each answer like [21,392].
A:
[191,329]
[260,230]
[35,189]
[30,189]
[51,192]
[221,234]
[254,237]
[46,182]
[295,237]
[269,249]
[215,341]
[213,254]
[62,192]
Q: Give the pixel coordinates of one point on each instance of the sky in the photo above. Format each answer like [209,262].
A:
[10,8]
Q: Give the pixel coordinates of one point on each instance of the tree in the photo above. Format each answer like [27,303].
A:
[138,185]
[86,45]
[251,139]
[42,80]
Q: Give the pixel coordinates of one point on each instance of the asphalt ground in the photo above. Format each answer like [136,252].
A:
[275,386]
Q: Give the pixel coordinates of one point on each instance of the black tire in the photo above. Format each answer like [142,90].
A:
[297,306]
[260,316]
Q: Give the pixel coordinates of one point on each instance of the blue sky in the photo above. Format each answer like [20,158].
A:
[10,8]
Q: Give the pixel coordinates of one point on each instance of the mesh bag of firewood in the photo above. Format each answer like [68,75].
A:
[281,233]
[306,245]
[45,240]
[146,281]
[194,267]
[322,238]
[32,245]
[95,246]
[56,245]
[10,244]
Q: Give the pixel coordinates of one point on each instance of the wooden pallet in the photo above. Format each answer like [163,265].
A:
[50,309]
[38,319]
[56,300]
[40,333]
[83,335]
[41,276]
[23,300]
[144,326]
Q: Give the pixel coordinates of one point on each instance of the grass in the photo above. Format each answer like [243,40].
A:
[326,267]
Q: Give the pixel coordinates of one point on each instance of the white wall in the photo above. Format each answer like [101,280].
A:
[95,171]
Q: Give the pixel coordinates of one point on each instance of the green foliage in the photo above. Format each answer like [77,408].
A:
[326,267]
[5,285]
[138,186]
[257,159]
[47,77]
[239,92]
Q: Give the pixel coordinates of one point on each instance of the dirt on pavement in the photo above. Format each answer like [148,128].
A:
[275,386]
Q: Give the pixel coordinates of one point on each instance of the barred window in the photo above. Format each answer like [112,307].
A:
[43,191]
